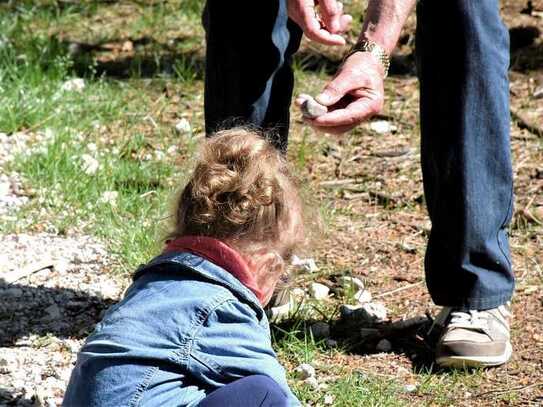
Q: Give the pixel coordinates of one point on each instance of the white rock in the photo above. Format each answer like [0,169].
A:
[90,164]
[348,310]
[312,382]
[109,197]
[183,126]
[171,150]
[320,330]
[363,296]
[73,85]
[304,371]
[409,388]
[384,345]
[367,313]
[92,147]
[538,93]
[375,310]
[305,264]
[329,399]
[319,291]
[351,282]
[280,312]
[382,127]
[311,108]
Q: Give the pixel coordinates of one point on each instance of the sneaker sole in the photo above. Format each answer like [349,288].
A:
[475,361]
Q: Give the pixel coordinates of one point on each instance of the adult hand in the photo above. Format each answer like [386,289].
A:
[355,94]
[324,26]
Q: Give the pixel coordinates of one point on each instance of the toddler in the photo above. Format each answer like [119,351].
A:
[191,330]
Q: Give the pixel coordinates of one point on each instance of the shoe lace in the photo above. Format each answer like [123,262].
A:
[471,319]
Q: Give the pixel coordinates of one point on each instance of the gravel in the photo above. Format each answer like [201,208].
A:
[46,315]
[11,195]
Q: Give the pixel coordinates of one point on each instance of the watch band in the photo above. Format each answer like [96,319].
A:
[374,49]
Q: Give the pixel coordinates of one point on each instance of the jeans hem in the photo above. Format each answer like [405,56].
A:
[475,303]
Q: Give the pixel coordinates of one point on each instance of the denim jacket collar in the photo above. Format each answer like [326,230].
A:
[208,270]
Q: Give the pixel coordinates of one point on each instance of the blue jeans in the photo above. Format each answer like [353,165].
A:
[463,58]
[251,391]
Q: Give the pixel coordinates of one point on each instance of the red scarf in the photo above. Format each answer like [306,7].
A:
[221,255]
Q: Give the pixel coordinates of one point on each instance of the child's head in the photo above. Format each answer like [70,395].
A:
[242,193]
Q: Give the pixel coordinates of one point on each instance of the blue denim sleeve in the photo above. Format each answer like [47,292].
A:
[232,344]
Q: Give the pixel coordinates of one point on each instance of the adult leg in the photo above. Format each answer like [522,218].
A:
[463,56]
[251,391]
[248,78]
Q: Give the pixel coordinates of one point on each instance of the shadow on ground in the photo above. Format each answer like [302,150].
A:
[62,312]
[415,339]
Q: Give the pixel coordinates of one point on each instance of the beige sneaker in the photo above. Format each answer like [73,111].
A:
[474,338]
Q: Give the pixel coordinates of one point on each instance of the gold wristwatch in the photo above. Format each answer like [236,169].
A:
[372,48]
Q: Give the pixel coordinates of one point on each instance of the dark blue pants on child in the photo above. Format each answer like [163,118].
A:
[251,391]
[463,58]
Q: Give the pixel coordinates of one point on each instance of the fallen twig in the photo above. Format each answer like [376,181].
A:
[32,268]
[405,287]
[337,182]
[524,123]
[501,391]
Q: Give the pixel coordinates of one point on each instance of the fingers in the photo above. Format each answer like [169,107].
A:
[345,22]
[313,30]
[354,114]
[345,82]
[303,13]
[331,11]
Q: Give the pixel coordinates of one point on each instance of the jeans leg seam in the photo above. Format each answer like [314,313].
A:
[504,223]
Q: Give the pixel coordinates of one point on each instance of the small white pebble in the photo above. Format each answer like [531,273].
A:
[329,399]
[409,388]
[183,126]
[306,264]
[304,371]
[382,127]
[73,85]
[319,291]
[363,296]
[311,108]
[351,282]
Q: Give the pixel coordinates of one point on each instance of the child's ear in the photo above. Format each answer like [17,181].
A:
[267,266]
[266,262]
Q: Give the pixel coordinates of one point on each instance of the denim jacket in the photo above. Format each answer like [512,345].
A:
[184,328]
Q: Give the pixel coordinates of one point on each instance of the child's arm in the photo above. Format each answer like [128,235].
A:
[232,344]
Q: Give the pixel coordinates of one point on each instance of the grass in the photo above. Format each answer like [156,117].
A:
[124,120]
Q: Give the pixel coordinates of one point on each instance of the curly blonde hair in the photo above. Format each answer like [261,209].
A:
[241,191]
